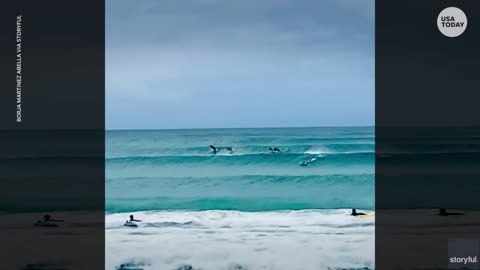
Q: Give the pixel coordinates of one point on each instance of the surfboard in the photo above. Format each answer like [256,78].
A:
[128,267]
[130,224]
[370,214]
[45,224]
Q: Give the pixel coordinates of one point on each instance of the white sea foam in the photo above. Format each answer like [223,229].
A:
[323,152]
[219,240]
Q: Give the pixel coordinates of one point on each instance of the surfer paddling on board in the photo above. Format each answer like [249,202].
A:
[131,222]
[47,218]
[48,222]
[354,213]
[443,212]
[214,149]
[133,219]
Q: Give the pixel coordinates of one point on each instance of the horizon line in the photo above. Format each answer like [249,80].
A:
[198,128]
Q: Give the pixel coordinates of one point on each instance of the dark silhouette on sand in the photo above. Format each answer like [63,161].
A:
[47,218]
[443,212]
[48,222]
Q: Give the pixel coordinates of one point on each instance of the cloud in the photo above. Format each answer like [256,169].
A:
[363,7]
[204,56]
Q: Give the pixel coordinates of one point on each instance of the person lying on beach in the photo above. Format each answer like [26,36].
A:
[443,212]
[354,213]
[133,219]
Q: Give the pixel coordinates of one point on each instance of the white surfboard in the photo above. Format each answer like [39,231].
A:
[130,224]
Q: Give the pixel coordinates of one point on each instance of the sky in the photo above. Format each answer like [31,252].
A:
[228,63]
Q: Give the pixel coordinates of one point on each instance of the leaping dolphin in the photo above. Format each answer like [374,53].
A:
[214,149]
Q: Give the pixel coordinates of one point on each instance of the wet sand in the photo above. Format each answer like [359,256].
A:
[77,243]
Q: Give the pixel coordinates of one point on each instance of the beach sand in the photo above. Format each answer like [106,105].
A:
[406,239]
[418,239]
[77,243]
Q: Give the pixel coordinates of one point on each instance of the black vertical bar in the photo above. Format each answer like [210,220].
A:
[52,157]
[427,136]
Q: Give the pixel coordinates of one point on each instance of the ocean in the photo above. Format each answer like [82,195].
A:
[241,208]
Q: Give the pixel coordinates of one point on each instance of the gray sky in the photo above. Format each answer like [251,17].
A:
[242,63]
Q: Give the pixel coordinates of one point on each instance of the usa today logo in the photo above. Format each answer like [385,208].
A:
[452,22]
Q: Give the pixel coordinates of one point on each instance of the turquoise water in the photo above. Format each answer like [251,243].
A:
[243,209]
[176,170]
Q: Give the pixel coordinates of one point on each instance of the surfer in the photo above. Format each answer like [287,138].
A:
[231,149]
[133,219]
[214,149]
[47,218]
[354,213]
[443,212]
[274,150]
[47,222]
